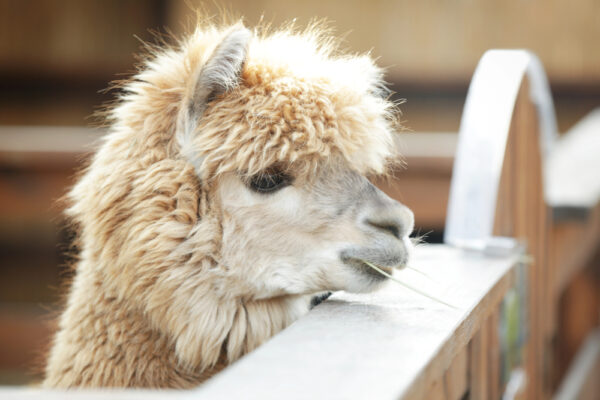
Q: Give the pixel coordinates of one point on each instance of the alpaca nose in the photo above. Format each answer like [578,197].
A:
[391,216]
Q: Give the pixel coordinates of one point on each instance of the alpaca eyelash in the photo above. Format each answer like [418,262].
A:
[269,182]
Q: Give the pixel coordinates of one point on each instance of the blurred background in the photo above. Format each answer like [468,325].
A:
[58,56]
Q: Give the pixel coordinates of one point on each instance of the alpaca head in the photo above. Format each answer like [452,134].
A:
[286,139]
[236,168]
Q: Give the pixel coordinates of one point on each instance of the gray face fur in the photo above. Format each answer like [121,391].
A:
[309,238]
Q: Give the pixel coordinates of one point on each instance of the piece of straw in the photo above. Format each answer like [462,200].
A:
[422,273]
[382,272]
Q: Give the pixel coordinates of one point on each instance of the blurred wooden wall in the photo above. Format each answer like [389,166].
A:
[431,48]
[55,55]
[436,43]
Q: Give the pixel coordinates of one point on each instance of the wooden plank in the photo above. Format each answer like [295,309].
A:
[574,243]
[48,139]
[456,378]
[530,220]
[582,379]
[572,168]
[493,377]
[428,145]
[454,383]
[436,391]
[578,314]
[479,364]
[54,148]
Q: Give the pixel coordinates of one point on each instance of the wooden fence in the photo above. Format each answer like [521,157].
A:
[523,221]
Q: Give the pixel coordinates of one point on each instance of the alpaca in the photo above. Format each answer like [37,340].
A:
[230,190]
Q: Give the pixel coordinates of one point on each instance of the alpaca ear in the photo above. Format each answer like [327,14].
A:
[218,75]
[222,71]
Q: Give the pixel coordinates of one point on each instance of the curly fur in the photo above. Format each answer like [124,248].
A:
[156,300]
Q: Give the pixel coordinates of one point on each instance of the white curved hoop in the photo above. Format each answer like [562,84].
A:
[483,137]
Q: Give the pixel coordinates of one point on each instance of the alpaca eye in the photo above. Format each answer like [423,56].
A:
[269,182]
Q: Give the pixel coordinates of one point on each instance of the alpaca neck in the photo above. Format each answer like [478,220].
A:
[103,341]
[258,320]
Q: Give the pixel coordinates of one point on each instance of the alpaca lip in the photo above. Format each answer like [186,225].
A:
[361,265]
[387,259]
[365,268]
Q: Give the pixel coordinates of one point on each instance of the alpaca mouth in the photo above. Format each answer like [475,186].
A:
[386,262]
[365,269]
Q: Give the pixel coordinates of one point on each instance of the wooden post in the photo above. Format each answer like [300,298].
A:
[522,213]
[508,127]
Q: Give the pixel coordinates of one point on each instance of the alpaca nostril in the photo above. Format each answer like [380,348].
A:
[386,226]
[394,218]
[388,215]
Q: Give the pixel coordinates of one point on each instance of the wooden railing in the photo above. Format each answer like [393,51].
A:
[523,220]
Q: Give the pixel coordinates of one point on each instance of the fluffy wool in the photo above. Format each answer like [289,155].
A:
[170,285]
